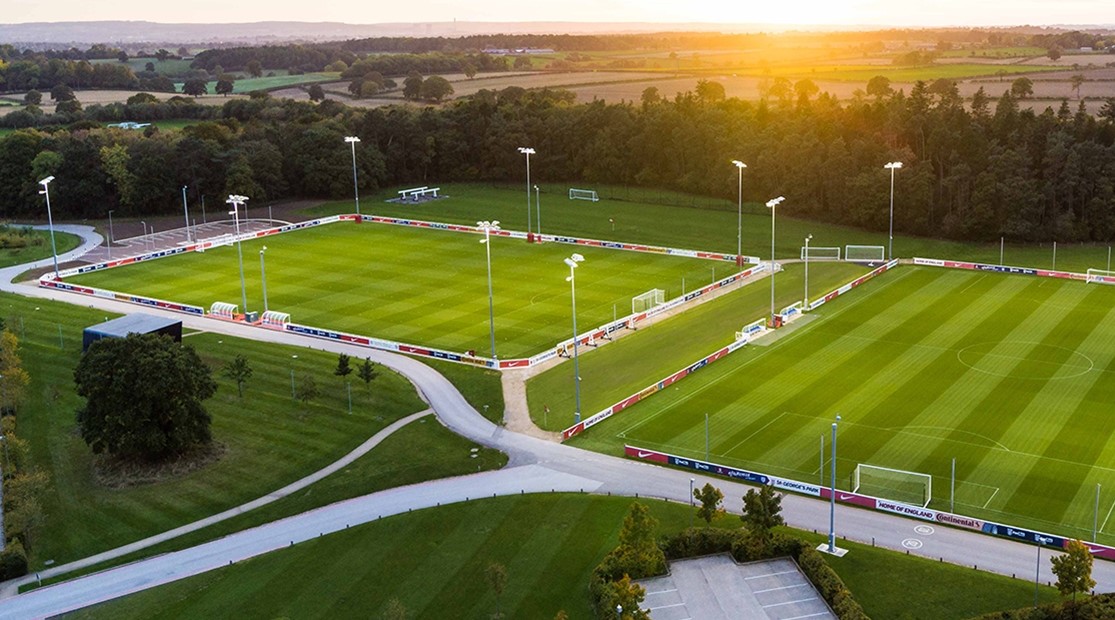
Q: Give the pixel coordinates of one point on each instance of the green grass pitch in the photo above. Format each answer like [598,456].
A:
[418,286]
[1010,375]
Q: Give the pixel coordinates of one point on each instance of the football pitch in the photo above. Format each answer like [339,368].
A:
[1011,376]
[418,286]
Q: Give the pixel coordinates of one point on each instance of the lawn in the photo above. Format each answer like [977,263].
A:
[637,360]
[418,286]
[266,439]
[662,217]
[39,249]
[1009,375]
[434,560]
[248,85]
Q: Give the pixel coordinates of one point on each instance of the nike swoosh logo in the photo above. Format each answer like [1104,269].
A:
[644,455]
[845,497]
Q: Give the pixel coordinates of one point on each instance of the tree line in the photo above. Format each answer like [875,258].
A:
[973,170]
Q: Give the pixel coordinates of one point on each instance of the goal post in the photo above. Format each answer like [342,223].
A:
[820,253]
[648,300]
[583,194]
[908,487]
[864,253]
[1100,276]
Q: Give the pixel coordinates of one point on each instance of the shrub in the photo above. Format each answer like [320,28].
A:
[13,561]
[695,542]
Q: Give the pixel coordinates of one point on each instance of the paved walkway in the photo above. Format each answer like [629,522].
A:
[535,465]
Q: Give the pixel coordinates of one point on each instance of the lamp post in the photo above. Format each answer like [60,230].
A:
[805,301]
[528,151]
[739,226]
[186,211]
[263,276]
[144,234]
[572,262]
[892,166]
[111,237]
[772,204]
[355,187]
[50,221]
[832,493]
[237,202]
[538,211]
[488,227]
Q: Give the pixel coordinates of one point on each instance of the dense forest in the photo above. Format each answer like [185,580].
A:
[973,171]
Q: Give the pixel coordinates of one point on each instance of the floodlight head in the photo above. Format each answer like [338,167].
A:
[352,139]
[774,202]
[263,250]
[739,164]
[572,264]
[526,150]
[577,257]
[46,180]
[809,237]
[894,165]
[536,188]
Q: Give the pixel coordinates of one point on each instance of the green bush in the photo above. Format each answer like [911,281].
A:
[13,561]
[1090,608]
[694,542]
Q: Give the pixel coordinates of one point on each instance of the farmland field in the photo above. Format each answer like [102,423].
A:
[247,85]
[1009,375]
[417,286]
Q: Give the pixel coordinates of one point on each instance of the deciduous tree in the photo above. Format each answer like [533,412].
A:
[1073,569]
[238,370]
[711,499]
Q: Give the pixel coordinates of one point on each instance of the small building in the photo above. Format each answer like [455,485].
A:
[132,324]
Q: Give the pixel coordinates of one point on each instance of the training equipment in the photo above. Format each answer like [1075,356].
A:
[864,253]
[646,301]
[1100,276]
[909,487]
[816,253]
[222,310]
[583,194]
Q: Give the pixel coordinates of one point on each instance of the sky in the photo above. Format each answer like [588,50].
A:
[787,12]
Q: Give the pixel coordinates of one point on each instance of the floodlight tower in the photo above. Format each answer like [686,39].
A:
[538,212]
[805,300]
[528,151]
[772,204]
[832,493]
[50,221]
[892,166]
[263,276]
[488,227]
[739,231]
[186,210]
[237,203]
[572,261]
[355,187]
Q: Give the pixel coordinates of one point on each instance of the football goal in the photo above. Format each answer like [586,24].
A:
[908,487]
[648,300]
[864,253]
[820,253]
[583,194]
[1100,276]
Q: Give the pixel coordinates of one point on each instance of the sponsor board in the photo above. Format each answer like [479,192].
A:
[795,486]
[906,510]
[1007,269]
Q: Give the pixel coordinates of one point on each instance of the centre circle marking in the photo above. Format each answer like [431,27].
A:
[924,530]
[912,543]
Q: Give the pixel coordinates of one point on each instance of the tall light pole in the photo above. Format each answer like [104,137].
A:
[488,227]
[50,221]
[186,211]
[263,276]
[832,493]
[111,237]
[144,234]
[538,208]
[355,187]
[528,151]
[805,301]
[739,226]
[237,203]
[772,204]
[572,262]
[892,166]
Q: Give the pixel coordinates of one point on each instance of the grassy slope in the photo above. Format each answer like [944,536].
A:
[15,256]
[268,439]
[638,360]
[418,286]
[1007,374]
[434,560]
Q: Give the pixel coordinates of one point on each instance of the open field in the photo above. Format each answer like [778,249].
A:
[170,66]
[266,440]
[435,559]
[1009,375]
[417,286]
[247,85]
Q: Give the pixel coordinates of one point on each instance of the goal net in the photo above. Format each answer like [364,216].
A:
[648,300]
[864,253]
[1100,276]
[583,194]
[822,253]
[908,487]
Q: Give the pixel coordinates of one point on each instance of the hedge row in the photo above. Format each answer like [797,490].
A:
[1097,607]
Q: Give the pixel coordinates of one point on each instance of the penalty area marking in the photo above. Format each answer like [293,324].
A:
[1104,526]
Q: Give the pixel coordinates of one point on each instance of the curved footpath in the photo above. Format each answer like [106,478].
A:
[535,465]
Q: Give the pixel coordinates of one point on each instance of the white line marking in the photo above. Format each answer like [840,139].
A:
[823,613]
[661,591]
[799,585]
[1107,517]
[668,606]
[988,502]
[785,572]
[804,600]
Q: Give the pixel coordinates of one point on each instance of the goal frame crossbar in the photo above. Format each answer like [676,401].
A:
[821,253]
[1100,276]
[653,297]
[583,194]
[848,251]
[927,486]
